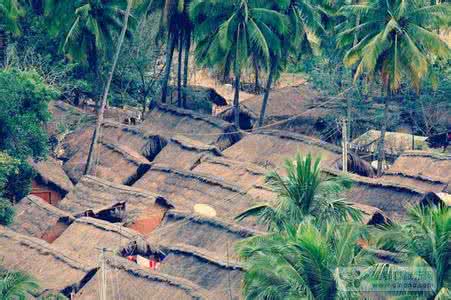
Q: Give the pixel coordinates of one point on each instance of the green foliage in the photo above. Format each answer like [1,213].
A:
[302,194]
[16,285]
[7,212]
[24,98]
[396,39]
[10,11]
[422,241]
[303,263]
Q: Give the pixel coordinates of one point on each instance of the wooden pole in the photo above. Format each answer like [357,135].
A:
[345,145]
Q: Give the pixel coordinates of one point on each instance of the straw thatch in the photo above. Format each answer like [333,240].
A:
[372,215]
[198,98]
[437,199]
[214,236]
[53,269]
[93,193]
[222,279]
[118,164]
[67,117]
[50,172]
[184,189]
[86,235]
[390,197]
[184,153]
[395,142]
[247,117]
[271,148]
[35,217]
[427,171]
[126,280]
[169,121]
[242,173]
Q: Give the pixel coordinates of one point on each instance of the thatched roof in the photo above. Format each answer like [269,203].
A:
[167,120]
[242,173]
[198,98]
[390,197]
[52,268]
[34,216]
[93,193]
[372,215]
[214,236]
[184,189]
[221,278]
[50,172]
[127,280]
[118,164]
[427,171]
[247,117]
[184,153]
[271,148]
[431,198]
[86,235]
[68,116]
[395,142]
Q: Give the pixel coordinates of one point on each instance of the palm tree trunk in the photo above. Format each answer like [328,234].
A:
[167,72]
[381,144]
[179,72]
[266,97]
[91,162]
[257,82]
[236,100]
[186,65]
[3,44]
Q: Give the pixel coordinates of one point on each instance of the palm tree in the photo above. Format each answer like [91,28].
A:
[16,285]
[228,33]
[90,25]
[423,244]
[305,20]
[303,262]
[397,41]
[305,192]
[10,11]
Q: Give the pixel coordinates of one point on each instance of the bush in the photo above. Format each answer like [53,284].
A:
[7,212]
[24,98]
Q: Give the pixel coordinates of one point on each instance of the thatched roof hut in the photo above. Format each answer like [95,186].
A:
[167,120]
[116,163]
[390,197]
[66,116]
[198,98]
[212,235]
[221,278]
[94,194]
[50,172]
[426,170]
[395,142]
[185,189]
[184,153]
[86,235]
[247,117]
[53,269]
[372,215]
[244,174]
[127,280]
[35,217]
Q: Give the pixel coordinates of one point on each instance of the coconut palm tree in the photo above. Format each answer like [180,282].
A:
[16,285]
[228,33]
[423,245]
[304,21]
[397,41]
[303,262]
[305,192]
[10,11]
[89,26]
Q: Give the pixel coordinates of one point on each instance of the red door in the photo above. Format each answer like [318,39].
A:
[46,196]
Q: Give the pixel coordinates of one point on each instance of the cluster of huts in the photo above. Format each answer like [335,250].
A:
[168,189]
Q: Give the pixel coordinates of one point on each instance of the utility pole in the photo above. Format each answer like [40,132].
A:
[345,144]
